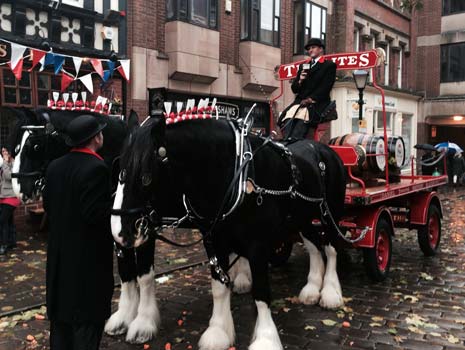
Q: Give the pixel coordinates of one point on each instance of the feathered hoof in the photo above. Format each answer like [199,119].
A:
[266,344]
[141,330]
[242,284]
[331,298]
[117,324]
[214,338]
[309,295]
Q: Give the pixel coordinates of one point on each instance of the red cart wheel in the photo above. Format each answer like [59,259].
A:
[429,236]
[377,260]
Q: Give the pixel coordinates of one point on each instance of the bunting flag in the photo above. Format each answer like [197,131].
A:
[97,64]
[18,70]
[37,56]
[106,75]
[77,64]
[87,81]
[124,69]
[58,63]
[111,67]
[17,52]
[66,79]
[48,59]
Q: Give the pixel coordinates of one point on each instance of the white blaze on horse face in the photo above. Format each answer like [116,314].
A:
[16,166]
[116,219]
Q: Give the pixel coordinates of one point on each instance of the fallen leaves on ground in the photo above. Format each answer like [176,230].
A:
[328,322]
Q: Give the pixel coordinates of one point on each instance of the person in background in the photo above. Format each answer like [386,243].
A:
[8,204]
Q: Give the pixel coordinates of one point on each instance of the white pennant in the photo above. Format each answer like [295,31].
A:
[77,64]
[42,61]
[87,81]
[17,52]
[126,68]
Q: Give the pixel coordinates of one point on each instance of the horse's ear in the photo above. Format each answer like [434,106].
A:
[132,121]
[158,130]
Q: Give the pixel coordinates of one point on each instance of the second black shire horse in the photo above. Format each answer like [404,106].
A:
[197,158]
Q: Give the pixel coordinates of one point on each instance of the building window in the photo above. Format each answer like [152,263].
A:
[199,12]
[408,134]
[450,7]
[260,21]
[452,67]
[16,92]
[309,22]
[379,124]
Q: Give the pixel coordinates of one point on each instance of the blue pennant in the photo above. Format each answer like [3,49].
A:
[49,59]
[58,63]
[106,75]
[111,67]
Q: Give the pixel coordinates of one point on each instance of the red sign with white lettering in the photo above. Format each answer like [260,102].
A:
[345,61]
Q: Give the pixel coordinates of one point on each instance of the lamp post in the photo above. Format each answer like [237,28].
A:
[361,79]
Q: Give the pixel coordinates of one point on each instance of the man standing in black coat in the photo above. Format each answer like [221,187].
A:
[312,87]
[77,200]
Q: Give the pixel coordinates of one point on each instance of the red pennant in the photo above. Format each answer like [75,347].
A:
[121,71]
[97,64]
[18,71]
[65,81]
[37,55]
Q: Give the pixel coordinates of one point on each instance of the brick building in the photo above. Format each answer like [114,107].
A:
[229,49]
[441,71]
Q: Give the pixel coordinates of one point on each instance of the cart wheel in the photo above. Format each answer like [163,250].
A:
[429,236]
[281,253]
[378,259]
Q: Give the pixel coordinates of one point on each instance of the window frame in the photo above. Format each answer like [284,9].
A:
[253,7]
[448,79]
[184,15]
[18,88]
[449,12]
[299,48]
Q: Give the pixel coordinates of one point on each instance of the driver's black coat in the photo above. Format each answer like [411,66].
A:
[77,200]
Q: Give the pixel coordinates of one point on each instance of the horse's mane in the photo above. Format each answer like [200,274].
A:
[137,152]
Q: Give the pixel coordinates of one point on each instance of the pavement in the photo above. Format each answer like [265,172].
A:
[420,306]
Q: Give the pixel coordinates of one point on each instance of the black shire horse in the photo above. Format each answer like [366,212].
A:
[197,158]
[38,138]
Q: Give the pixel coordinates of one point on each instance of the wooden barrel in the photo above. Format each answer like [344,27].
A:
[370,144]
[396,148]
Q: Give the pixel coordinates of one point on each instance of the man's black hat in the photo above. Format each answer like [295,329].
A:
[315,42]
[82,129]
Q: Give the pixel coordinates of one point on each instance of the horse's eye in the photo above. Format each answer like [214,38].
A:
[36,148]
[122,176]
[146,179]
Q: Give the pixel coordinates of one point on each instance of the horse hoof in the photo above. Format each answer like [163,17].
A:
[117,324]
[215,338]
[331,298]
[141,330]
[266,344]
[242,284]
[309,295]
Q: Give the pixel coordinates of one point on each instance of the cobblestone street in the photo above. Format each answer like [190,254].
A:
[420,306]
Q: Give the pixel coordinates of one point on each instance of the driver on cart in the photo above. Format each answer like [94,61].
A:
[312,86]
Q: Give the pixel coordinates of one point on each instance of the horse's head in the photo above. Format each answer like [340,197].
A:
[134,211]
[28,142]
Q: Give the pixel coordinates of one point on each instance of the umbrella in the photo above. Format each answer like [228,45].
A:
[450,147]
[425,147]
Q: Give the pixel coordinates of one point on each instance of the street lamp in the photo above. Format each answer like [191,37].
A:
[361,79]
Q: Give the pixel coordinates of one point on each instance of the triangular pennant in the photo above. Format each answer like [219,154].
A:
[97,64]
[111,67]
[37,56]
[66,79]
[58,63]
[106,75]
[77,64]
[18,70]
[124,69]
[87,81]
[17,52]
[48,59]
